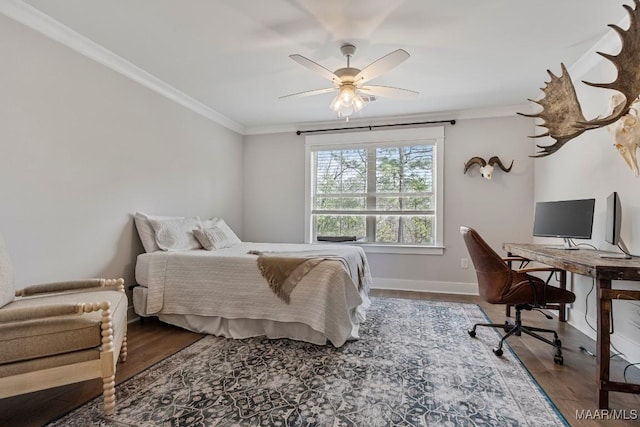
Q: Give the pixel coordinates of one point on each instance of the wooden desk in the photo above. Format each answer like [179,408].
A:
[588,263]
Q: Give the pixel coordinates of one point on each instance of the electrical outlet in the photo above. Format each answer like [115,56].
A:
[464,262]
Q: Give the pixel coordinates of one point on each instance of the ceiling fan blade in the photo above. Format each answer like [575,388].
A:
[315,67]
[381,65]
[390,92]
[310,93]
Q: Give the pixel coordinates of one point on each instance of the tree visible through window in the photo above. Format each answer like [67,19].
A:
[378,192]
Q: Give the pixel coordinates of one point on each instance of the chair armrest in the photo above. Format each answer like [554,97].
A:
[514,258]
[73,285]
[47,312]
[537,269]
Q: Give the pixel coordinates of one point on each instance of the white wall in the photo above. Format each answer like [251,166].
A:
[589,166]
[501,209]
[273,188]
[82,148]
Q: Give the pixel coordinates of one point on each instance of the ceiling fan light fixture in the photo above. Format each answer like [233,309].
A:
[349,80]
[347,101]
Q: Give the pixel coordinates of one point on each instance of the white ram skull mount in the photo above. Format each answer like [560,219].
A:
[626,132]
[486,168]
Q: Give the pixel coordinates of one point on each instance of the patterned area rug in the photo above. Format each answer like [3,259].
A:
[415,365]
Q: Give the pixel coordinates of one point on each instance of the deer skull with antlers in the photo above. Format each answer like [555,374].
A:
[561,111]
[626,132]
[486,168]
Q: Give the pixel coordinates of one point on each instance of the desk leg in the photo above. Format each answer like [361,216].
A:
[603,352]
[562,315]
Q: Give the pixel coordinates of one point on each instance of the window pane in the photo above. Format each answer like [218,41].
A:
[405,229]
[341,171]
[404,169]
[340,225]
[418,203]
[341,203]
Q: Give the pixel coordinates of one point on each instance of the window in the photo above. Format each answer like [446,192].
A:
[382,187]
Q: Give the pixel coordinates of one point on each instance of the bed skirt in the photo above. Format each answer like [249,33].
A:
[243,327]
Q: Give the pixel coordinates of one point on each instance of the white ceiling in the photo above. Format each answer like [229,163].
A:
[232,55]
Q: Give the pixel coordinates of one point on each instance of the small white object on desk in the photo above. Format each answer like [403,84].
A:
[614,255]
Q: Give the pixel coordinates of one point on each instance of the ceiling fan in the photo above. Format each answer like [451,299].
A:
[348,81]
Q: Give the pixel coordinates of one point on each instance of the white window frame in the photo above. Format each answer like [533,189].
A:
[428,135]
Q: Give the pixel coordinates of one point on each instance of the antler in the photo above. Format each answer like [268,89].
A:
[562,114]
[474,161]
[627,63]
[495,160]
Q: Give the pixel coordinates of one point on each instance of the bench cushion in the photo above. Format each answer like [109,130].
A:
[7,290]
[22,341]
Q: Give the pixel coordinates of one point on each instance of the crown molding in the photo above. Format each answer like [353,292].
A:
[33,18]
[609,43]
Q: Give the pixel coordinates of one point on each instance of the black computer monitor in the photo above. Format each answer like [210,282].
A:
[566,219]
[613,223]
[613,220]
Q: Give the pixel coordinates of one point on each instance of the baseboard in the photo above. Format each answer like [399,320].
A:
[629,348]
[425,286]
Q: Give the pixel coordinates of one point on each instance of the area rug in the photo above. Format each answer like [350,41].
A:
[414,365]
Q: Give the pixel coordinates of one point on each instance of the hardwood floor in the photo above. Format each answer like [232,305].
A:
[570,387]
[147,344]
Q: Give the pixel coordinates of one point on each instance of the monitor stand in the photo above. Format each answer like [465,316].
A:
[623,247]
[568,246]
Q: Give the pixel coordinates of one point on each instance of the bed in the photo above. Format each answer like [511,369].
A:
[223,292]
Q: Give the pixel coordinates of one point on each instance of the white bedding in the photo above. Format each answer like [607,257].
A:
[226,286]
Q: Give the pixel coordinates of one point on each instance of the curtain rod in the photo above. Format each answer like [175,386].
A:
[371,127]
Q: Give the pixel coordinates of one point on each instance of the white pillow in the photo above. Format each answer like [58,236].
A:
[7,290]
[146,232]
[176,234]
[219,222]
[208,223]
[212,238]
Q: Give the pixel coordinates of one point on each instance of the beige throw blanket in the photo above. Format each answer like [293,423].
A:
[284,272]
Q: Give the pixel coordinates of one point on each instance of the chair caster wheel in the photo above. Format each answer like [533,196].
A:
[559,360]
[471,333]
[507,327]
[497,351]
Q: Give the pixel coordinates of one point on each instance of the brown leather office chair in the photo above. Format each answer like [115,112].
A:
[499,284]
